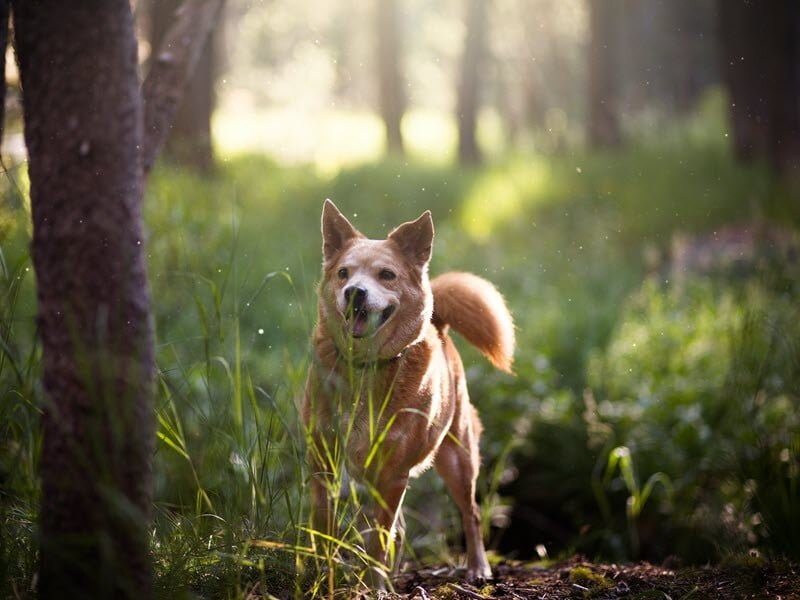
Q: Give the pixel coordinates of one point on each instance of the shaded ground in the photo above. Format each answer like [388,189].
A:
[747,577]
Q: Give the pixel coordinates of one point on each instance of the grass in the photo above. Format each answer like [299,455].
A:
[233,261]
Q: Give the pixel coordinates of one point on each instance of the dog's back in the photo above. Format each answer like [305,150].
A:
[475,309]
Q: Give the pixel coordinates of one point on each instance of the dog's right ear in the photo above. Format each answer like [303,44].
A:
[336,230]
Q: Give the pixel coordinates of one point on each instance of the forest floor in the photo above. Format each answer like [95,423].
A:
[747,577]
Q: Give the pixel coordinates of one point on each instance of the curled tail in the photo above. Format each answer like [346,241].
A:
[475,309]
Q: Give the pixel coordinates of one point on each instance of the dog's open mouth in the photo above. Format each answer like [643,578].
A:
[364,322]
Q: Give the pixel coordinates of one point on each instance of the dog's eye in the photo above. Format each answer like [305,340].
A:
[386,275]
[342,273]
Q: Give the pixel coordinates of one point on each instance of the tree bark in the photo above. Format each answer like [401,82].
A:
[171,69]
[603,118]
[3,44]
[783,81]
[741,39]
[190,143]
[84,133]
[760,63]
[83,129]
[391,90]
[468,99]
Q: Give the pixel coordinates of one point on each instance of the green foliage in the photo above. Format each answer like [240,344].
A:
[701,383]
[698,378]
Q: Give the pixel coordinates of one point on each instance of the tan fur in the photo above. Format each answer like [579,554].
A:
[387,395]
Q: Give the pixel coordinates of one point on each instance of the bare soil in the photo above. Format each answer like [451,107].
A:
[743,577]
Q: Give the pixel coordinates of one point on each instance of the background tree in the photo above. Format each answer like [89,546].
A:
[760,64]
[391,86]
[469,83]
[3,45]
[189,143]
[603,118]
[667,55]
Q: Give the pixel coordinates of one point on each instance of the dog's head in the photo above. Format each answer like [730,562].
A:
[375,297]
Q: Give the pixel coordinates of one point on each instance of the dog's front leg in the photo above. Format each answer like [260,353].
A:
[322,462]
[321,509]
[322,454]
[379,538]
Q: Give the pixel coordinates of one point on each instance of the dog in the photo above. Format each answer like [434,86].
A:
[386,392]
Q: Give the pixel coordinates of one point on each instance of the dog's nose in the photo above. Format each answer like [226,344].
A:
[355,296]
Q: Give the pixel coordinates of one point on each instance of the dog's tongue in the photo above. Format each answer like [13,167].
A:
[360,324]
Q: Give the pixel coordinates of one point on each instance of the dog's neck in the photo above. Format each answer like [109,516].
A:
[375,364]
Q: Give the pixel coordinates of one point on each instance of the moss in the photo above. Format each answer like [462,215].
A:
[751,560]
[587,578]
[445,592]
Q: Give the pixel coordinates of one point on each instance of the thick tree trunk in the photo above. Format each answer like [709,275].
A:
[83,130]
[189,141]
[468,100]
[391,90]
[603,118]
[760,63]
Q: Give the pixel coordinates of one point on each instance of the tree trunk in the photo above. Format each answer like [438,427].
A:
[741,37]
[783,88]
[603,118]
[468,99]
[760,53]
[391,90]
[189,142]
[3,44]
[171,69]
[83,129]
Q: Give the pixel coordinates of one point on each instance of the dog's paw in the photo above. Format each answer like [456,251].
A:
[479,574]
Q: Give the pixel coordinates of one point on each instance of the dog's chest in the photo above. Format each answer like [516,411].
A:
[388,424]
[365,419]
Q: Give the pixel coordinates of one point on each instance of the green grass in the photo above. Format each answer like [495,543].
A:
[569,239]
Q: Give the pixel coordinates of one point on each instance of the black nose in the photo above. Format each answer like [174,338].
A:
[355,297]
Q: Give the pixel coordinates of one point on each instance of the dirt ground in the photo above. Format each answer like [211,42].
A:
[745,577]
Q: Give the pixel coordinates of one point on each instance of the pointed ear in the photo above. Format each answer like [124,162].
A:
[415,239]
[336,230]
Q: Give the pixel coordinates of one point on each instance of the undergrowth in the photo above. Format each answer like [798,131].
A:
[697,382]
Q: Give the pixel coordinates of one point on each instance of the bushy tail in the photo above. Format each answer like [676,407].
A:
[475,309]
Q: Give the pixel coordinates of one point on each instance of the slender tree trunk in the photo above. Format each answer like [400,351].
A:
[83,129]
[391,90]
[783,88]
[3,44]
[603,118]
[742,37]
[189,142]
[468,100]
[760,63]
[171,69]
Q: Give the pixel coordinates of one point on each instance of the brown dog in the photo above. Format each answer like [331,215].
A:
[386,392]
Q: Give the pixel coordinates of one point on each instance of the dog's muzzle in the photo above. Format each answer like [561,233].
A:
[363,321]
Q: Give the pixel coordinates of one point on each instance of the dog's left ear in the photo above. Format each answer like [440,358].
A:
[415,239]
[336,230]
